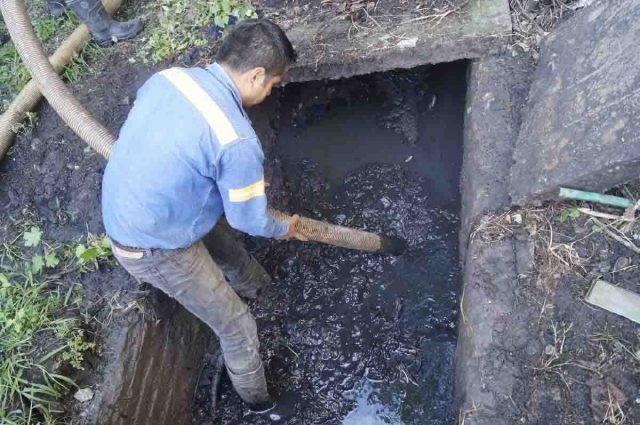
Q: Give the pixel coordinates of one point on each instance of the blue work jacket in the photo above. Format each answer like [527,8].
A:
[186,154]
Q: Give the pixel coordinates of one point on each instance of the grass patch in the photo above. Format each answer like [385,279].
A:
[181,24]
[51,32]
[42,339]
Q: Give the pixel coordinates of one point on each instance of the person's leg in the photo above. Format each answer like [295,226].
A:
[102,27]
[246,276]
[195,281]
[56,7]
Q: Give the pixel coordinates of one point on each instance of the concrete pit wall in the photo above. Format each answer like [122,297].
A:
[150,366]
[490,326]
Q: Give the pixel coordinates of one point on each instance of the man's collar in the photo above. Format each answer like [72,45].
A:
[222,76]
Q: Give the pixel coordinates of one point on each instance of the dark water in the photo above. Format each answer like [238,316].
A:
[359,338]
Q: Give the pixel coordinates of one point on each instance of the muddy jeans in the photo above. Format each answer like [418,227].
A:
[195,280]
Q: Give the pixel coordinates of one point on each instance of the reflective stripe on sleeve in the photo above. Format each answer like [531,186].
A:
[246,193]
[202,101]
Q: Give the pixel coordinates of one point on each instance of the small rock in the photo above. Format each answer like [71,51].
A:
[126,101]
[517,218]
[83,395]
[409,43]
[35,143]
[549,350]
[621,263]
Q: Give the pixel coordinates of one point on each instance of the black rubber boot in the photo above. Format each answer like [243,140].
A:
[102,27]
[56,7]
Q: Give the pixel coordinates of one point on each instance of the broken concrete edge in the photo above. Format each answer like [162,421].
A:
[326,51]
[497,89]
[581,127]
[152,366]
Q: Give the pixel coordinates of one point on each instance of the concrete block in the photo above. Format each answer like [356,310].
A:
[149,374]
[582,126]
[326,50]
[491,330]
[496,91]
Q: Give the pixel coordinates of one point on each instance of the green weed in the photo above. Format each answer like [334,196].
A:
[181,24]
[569,213]
[51,31]
[39,328]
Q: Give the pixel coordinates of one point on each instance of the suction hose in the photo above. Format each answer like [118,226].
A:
[57,93]
[31,95]
[99,138]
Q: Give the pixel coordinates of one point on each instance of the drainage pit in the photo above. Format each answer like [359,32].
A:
[352,337]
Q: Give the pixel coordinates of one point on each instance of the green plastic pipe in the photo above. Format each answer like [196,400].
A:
[580,195]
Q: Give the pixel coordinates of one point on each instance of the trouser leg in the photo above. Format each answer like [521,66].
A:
[195,281]
[104,29]
[246,276]
[56,7]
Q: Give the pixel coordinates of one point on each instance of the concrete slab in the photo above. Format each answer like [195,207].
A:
[331,50]
[582,129]
[149,373]
[492,329]
[496,92]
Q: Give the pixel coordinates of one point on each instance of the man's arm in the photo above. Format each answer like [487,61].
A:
[242,187]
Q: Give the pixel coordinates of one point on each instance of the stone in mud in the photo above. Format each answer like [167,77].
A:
[83,395]
[582,129]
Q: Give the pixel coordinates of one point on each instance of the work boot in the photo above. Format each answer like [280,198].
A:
[102,27]
[278,410]
[56,7]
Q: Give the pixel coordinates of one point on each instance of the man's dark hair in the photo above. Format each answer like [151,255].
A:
[256,43]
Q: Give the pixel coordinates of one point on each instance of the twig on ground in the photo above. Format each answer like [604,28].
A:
[466,414]
[544,305]
[435,18]
[622,239]
[593,213]
[529,17]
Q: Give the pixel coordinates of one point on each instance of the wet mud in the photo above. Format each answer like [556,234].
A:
[350,337]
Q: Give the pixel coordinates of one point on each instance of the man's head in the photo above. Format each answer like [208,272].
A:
[256,55]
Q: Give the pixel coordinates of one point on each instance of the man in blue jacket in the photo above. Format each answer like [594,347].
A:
[187,155]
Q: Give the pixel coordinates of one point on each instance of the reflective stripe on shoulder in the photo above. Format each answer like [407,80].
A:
[246,193]
[203,102]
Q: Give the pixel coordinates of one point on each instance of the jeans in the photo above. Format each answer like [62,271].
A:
[195,280]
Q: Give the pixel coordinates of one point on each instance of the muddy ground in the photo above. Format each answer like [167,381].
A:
[581,363]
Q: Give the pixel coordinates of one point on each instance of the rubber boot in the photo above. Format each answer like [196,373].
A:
[56,7]
[251,387]
[102,27]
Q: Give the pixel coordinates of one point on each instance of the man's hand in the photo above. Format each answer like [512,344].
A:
[293,233]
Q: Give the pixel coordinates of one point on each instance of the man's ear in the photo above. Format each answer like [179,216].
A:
[258,74]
